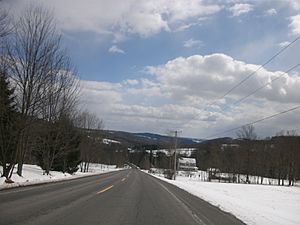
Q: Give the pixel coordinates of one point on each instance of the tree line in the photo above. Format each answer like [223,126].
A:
[276,157]
[39,118]
[237,159]
[92,148]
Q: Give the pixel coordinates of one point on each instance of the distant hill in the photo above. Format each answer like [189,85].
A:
[162,138]
[130,139]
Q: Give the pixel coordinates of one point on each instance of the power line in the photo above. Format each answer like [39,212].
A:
[263,86]
[254,72]
[254,122]
[248,77]
[258,89]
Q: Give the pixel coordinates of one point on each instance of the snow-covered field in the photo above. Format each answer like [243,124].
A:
[33,174]
[203,176]
[253,204]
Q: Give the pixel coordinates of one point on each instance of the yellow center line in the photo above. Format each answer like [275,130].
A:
[105,189]
[123,179]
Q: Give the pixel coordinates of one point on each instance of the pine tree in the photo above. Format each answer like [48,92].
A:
[7,125]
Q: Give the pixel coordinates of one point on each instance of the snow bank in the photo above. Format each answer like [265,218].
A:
[201,175]
[33,174]
[109,141]
[253,204]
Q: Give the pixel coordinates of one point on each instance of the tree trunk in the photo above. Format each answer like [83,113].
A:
[6,170]
[85,165]
[20,167]
[22,147]
[81,167]
[11,171]
[88,165]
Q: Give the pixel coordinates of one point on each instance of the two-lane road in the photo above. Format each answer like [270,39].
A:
[125,197]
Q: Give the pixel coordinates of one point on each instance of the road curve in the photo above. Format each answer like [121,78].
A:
[125,197]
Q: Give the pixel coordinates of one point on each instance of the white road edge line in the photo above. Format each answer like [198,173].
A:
[187,209]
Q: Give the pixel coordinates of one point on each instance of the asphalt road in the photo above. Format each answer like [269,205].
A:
[118,198]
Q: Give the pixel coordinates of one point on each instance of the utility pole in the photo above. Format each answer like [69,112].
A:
[175,152]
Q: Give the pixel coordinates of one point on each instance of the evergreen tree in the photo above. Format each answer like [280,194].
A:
[8,117]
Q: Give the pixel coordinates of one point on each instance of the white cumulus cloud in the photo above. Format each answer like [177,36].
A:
[271,12]
[284,44]
[179,90]
[240,8]
[118,18]
[295,24]
[116,49]
[191,43]
[213,75]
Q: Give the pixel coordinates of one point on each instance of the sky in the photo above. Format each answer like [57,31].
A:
[160,65]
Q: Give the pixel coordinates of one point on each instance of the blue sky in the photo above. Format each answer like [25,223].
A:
[221,33]
[153,65]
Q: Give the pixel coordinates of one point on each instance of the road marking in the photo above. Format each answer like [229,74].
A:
[105,189]
[123,179]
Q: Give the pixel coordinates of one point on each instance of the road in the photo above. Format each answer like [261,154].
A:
[118,198]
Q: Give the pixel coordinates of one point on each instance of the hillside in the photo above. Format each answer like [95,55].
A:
[131,139]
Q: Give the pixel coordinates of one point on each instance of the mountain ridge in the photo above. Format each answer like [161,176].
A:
[147,138]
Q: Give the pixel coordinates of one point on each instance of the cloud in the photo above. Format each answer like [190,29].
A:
[295,4]
[131,82]
[295,24]
[213,75]
[121,18]
[239,9]
[185,27]
[284,44]
[191,43]
[100,93]
[270,12]
[178,91]
[115,49]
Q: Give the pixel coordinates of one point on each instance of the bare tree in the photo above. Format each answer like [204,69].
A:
[247,134]
[5,26]
[90,124]
[39,70]
[5,31]
[287,156]
[56,112]
[55,142]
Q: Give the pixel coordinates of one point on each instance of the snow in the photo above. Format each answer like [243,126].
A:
[203,176]
[33,174]
[147,137]
[187,160]
[253,204]
[181,151]
[109,141]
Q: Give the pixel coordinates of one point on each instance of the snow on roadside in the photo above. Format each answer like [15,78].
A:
[253,204]
[33,174]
